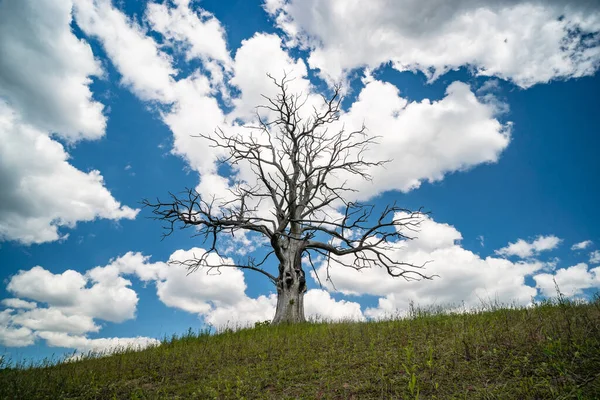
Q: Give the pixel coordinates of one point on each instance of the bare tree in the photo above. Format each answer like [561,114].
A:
[297,162]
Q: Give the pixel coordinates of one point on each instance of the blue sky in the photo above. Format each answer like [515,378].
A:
[489,113]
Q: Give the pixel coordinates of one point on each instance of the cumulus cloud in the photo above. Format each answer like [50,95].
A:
[571,281]
[135,263]
[42,192]
[83,344]
[144,69]
[526,42]
[427,139]
[12,335]
[595,257]
[42,285]
[18,303]
[219,296]
[53,319]
[197,33]
[45,70]
[524,249]
[195,292]
[188,105]
[320,306]
[68,304]
[243,313]
[221,299]
[463,276]
[191,104]
[424,140]
[582,245]
[195,112]
[16,337]
[104,293]
[74,300]
[44,88]
[257,56]
[96,294]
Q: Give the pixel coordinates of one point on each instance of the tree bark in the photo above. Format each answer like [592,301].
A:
[291,284]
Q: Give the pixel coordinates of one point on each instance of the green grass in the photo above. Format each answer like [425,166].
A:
[549,351]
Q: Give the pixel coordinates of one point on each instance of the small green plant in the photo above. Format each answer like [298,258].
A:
[411,370]
[262,324]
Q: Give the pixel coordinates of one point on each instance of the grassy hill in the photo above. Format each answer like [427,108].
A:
[549,351]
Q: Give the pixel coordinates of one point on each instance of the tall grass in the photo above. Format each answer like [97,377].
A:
[550,350]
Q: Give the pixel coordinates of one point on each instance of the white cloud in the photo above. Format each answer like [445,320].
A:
[194,292]
[41,191]
[44,89]
[257,56]
[45,70]
[11,335]
[192,106]
[16,337]
[571,281]
[149,73]
[582,245]
[197,33]
[132,263]
[73,301]
[195,112]
[44,286]
[595,257]
[527,42]
[52,319]
[97,294]
[243,313]
[102,345]
[18,303]
[319,305]
[220,298]
[103,293]
[147,70]
[425,140]
[464,277]
[524,249]
[144,69]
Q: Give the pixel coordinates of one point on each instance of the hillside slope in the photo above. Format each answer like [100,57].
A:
[548,351]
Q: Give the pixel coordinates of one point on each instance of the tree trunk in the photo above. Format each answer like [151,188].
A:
[291,285]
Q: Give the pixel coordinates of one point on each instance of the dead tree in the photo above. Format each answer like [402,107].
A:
[297,162]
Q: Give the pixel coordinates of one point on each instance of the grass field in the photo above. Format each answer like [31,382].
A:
[548,351]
